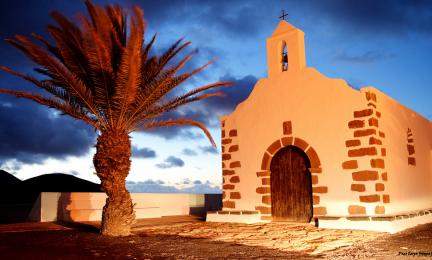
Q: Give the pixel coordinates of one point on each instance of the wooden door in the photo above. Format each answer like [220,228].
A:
[291,185]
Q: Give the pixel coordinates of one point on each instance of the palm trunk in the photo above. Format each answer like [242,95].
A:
[112,164]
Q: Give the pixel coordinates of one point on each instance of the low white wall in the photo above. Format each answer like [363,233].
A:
[379,226]
[87,206]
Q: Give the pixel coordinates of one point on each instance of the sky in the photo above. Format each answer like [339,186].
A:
[386,44]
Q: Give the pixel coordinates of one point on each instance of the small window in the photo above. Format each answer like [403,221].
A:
[284,57]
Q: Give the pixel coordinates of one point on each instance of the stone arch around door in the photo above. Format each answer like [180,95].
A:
[264,190]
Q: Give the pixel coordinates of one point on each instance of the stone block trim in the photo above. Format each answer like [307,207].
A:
[263,190]
[377,163]
[320,189]
[370,104]
[411,161]
[374,140]
[379,210]
[365,132]
[265,163]
[233,148]
[371,96]
[313,158]
[365,175]
[230,179]
[235,195]
[235,179]
[266,199]
[379,187]
[410,148]
[356,210]
[358,187]
[373,121]
[263,209]
[367,151]
[315,200]
[227,172]
[351,143]
[369,143]
[232,133]
[319,211]
[314,179]
[356,124]
[369,198]
[300,143]
[315,170]
[363,113]
[226,157]
[274,147]
[287,141]
[228,187]
[287,128]
[264,173]
[226,141]
[235,164]
[351,164]
[228,204]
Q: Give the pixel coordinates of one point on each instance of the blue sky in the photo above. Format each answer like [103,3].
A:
[386,44]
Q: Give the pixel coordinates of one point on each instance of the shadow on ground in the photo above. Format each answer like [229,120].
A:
[188,238]
[77,244]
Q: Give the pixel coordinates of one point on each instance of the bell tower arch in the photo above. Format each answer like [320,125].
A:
[285,49]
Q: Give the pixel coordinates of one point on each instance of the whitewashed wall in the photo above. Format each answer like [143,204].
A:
[87,206]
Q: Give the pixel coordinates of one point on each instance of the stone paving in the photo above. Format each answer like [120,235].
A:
[276,235]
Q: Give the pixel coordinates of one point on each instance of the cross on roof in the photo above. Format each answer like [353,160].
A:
[284,15]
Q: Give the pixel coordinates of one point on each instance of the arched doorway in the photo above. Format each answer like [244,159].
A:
[291,185]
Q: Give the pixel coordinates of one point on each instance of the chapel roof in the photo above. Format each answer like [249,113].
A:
[283,27]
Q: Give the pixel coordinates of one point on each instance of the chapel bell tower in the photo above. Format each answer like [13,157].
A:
[285,50]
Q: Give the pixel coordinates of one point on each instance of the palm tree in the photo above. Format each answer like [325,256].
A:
[102,72]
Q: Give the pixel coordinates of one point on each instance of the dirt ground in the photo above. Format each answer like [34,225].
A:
[189,238]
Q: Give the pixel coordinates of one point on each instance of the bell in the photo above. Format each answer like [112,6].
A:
[285,58]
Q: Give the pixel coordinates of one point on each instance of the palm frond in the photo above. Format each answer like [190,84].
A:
[128,77]
[180,122]
[102,71]
[65,108]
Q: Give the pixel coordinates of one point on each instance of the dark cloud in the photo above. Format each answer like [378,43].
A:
[208,149]
[170,133]
[29,133]
[11,166]
[171,162]
[207,111]
[143,152]
[364,58]
[234,95]
[215,27]
[384,16]
[189,152]
[33,17]
[234,18]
